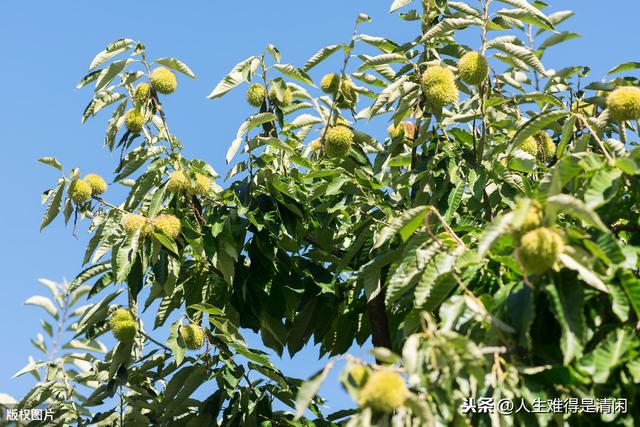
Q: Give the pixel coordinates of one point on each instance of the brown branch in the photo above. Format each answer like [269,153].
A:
[379,322]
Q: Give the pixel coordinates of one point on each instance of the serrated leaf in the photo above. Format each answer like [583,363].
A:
[465,8]
[557,39]
[449,24]
[381,43]
[522,162]
[500,226]
[567,304]
[294,73]
[177,65]
[242,72]
[208,308]
[407,271]
[89,273]
[408,221]
[535,124]
[454,200]
[523,4]
[521,53]
[576,208]
[55,203]
[385,58]
[175,342]
[92,76]
[610,353]
[304,120]
[631,286]
[109,73]
[247,125]
[425,293]
[321,55]
[567,135]
[524,16]
[625,67]
[167,242]
[389,93]
[586,275]
[110,51]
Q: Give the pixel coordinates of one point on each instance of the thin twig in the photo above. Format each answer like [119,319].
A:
[593,133]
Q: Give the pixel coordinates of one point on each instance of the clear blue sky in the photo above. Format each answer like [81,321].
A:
[47,47]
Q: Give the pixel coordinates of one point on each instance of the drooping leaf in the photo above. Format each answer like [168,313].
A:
[177,65]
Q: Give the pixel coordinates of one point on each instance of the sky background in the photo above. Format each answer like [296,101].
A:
[47,47]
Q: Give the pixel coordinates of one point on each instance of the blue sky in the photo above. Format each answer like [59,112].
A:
[47,48]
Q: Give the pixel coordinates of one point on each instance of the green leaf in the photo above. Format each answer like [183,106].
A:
[362,17]
[97,312]
[567,135]
[381,43]
[113,49]
[557,39]
[524,4]
[522,54]
[242,72]
[134,160]
[92,76]
[619,302]
[121,355]
[625,67]
[294,73]
[407,272]
[567,304]
[608,355]
[29,368]
[595,195]
[388,95]
[631,286]
[247,125]
[405,224]
[385,58]
[44,303]
[454,200]
[397,4]
[177,65]
[522,162]
[124,255]
[449,24]
[520,310]
[274,52]
[207,308]
[586,275]
[500,226]
[574,207]
[89,273]
[309,389]
[321,55]
[167,242]
[109,73]
[55,203]
[51,161]
[176,343]
[430,291]
[524,16]
[534,124]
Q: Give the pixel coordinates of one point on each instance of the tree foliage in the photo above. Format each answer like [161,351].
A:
[488,247]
